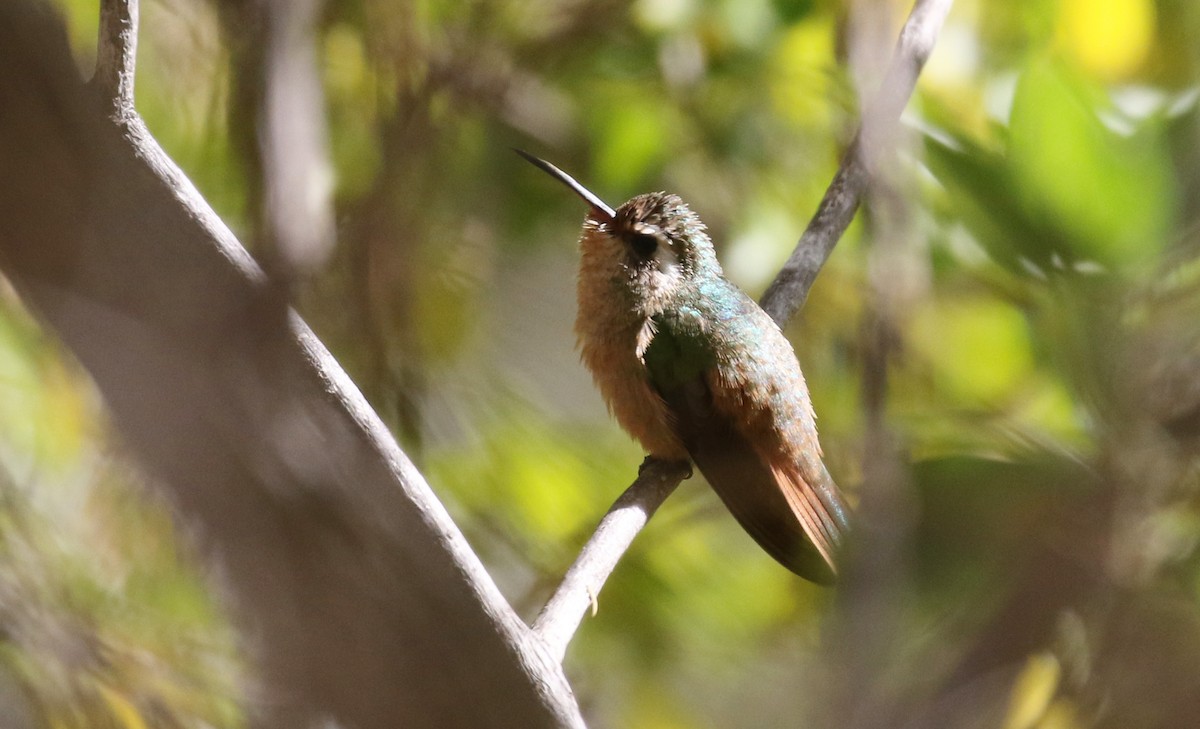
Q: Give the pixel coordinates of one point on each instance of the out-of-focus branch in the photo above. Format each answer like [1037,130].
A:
[562,615]
[297,172]
[876,574]
[560,618]
[787,292]
[360,601]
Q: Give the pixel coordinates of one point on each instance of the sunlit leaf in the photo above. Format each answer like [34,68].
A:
[1031,694]
[978,348]
[123,710]
[985,194]
[1111,193]
[799,78]
[636,134]
[1111,38]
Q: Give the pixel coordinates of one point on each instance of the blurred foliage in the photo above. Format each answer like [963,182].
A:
[104,621]
[1045,394]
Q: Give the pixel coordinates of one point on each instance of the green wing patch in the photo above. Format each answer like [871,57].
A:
[679,353]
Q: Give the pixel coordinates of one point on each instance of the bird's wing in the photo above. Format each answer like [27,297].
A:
[745,428]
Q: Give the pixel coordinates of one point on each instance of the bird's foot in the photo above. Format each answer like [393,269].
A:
[649,460]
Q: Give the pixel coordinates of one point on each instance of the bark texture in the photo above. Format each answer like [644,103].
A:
[357,596]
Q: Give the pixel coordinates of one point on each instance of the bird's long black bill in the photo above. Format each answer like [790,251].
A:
[588,196]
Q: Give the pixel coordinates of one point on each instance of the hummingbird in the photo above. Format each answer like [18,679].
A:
[694,370]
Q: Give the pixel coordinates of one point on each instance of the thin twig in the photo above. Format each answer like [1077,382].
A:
[560,618]
[788,291]
[116,54]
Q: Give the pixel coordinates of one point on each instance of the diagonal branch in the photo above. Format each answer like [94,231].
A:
[559,620]
[359,599]
[788,291]
[116,54]
[562,615]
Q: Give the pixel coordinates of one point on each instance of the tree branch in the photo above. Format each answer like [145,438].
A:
[293,142]
[116,54]
[581,585]
[788,291]
[357,597]
[559,620]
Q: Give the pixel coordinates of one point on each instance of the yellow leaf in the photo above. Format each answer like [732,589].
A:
[1033,691]
[122,708]
[1109,38]
[979,348]
[799,79]
[1061,714]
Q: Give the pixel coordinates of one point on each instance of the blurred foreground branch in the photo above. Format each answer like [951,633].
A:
[877,575]
[787,292]
[293,147]
[782,299]
[359,600]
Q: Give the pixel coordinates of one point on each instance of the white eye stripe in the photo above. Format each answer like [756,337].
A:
[667,259]
[650,242]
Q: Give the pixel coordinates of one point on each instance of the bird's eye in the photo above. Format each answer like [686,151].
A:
[643,244]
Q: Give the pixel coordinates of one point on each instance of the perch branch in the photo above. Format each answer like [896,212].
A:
[559,620]
[561,616]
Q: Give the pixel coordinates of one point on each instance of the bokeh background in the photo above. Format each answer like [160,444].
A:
[1029,262]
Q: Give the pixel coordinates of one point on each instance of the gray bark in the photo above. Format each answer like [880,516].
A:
[358,598]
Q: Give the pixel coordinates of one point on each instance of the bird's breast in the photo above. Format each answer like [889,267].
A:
[613,335]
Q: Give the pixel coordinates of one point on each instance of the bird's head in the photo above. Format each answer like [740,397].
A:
[652,245]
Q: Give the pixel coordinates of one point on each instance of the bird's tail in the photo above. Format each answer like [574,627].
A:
[800,522]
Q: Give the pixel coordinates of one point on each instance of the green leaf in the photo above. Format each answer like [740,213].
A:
[1111,193]
[979,348]
[634,139]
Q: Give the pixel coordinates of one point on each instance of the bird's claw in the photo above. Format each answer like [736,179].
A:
[650,460]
